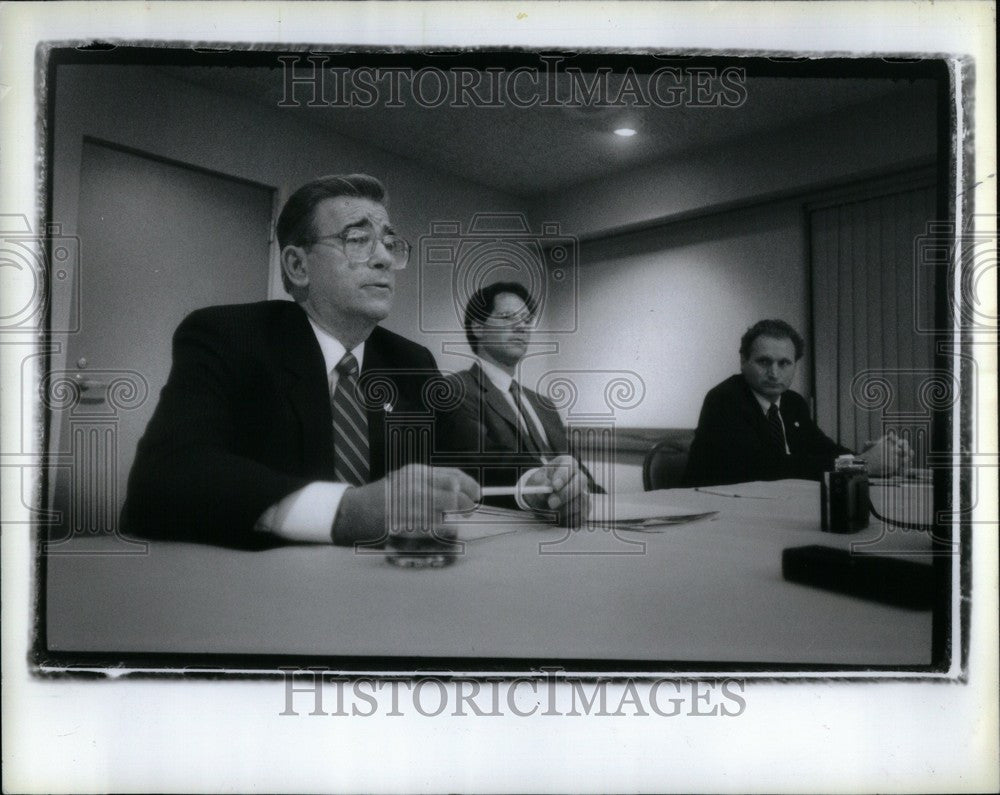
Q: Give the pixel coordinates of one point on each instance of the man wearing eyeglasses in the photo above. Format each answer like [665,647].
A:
[265,431]
[513,437]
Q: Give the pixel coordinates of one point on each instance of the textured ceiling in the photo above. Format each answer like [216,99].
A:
[526,152]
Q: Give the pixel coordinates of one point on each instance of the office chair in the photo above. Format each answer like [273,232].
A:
[664,465]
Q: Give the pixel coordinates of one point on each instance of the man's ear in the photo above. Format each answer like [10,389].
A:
[477,330]
[294,265]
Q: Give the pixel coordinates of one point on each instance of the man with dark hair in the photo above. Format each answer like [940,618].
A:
[775,329]
[265,431]
[513,436]
[754,427]
[295,225]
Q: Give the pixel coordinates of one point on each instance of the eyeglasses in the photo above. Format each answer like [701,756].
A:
[358,245]
[507,319]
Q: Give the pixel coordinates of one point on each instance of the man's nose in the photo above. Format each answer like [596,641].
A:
[380,258]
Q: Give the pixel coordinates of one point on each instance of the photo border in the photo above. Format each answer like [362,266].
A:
[945,737]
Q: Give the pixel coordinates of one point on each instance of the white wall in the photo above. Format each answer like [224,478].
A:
[670,304]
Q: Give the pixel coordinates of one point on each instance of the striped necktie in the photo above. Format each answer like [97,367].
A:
[776,428]
[532,439]
[350,426]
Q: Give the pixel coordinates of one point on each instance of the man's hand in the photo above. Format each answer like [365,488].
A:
[410,501]
[888,455]
[570,497]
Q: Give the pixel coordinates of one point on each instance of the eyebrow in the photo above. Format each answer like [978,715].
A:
[363,222]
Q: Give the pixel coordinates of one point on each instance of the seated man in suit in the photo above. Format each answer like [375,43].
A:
[265,431]
[511,433]
[753,427]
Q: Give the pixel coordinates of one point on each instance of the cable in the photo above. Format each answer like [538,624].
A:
[902,525]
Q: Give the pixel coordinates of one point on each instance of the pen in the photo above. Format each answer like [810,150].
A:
[510,491]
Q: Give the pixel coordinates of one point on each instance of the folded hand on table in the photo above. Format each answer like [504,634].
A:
[888,455]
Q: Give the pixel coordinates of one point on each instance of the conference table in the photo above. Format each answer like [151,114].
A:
[698,593]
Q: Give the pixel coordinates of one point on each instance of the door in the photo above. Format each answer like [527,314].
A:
[157,240]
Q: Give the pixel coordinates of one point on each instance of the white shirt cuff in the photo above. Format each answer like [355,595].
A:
[305,515]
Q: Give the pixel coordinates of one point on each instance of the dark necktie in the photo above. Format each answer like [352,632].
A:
[775,427]
[350,426]
[533,439]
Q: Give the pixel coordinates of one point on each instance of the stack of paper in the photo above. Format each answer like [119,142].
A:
[645,512]
[505,515]
[487,521]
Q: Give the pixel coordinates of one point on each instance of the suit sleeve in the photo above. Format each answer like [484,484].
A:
[190,478]
[464,442]
[815,451]
[472,444]
[467,442]
[565,444]
[711,460]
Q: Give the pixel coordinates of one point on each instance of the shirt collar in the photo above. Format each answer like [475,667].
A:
[764,403]
[497,377]
[333,349]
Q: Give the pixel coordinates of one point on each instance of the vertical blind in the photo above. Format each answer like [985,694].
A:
[872,362]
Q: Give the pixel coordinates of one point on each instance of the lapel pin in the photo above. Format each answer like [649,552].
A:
[796,424]
[387,408]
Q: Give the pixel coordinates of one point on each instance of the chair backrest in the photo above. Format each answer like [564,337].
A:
[664,465]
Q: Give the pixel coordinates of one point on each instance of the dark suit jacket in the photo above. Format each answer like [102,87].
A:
[485,434]
[732,442]
[245,419]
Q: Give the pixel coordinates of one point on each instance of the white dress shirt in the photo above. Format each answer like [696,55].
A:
[307,514]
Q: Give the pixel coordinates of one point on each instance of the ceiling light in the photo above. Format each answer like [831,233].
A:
[625,132]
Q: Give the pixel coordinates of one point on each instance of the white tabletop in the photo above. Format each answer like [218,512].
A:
[707,591]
